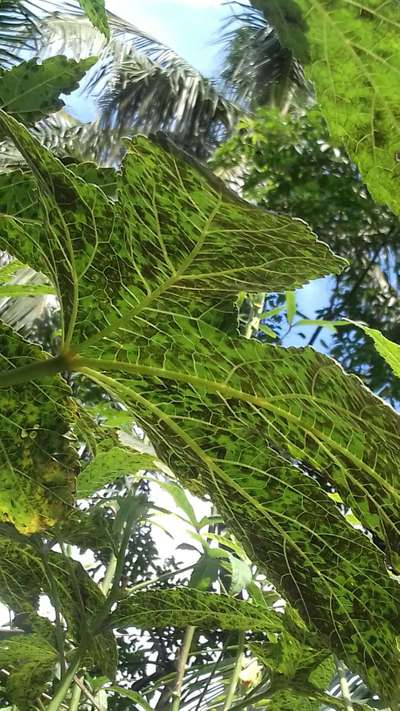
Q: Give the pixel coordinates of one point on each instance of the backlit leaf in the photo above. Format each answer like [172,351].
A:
[389,350]
[176,235]
[290,300]
[226,400]
[95,10]
[187,606]
[352,54]
[30,91]
[108,466]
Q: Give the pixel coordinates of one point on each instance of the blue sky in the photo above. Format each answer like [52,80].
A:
[190,27]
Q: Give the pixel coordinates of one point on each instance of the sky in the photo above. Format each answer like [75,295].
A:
[190,27]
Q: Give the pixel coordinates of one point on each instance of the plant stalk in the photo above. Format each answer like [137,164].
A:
[235,674]
[181,667]
[341,670]
[36,370]
[75,698]
[67,680]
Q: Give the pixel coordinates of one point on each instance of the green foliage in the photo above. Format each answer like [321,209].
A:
[27,572]
[289,164]
[29,660]
[147,264]
[30,91]
[109,465]
[96,12]
[188,606]
[132,696]
[387,349]
[238,394]
[304,409]
[37,459]
[206,232]
[352,54]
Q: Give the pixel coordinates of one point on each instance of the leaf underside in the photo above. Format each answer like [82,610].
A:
[174,235]
[265,431]
[30,91]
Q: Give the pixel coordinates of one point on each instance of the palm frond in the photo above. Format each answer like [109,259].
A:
[258,69]
[140,84]
[70,140]
[18,30]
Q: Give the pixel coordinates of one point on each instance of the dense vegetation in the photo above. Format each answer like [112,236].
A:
[152,364]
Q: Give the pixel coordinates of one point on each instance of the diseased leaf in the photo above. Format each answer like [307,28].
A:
[175,234]
[109,465]
[352,54]
[187,606]
[96,12]
[25,574]
[30,91]
[265,432]
[29,660]
[38,462]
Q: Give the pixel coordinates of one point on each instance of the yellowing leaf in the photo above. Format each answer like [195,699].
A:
[38,463]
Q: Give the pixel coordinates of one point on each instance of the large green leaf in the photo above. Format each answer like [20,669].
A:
[188,606]
[265,432]
[38,462]
[352,53]
[30,91]
[175,234]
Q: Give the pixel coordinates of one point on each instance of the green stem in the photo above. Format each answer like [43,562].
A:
[156,579]
[67,680]
[341,670]
[36,370]
[235,674]
[106,583]
[181,667]
[75,698]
